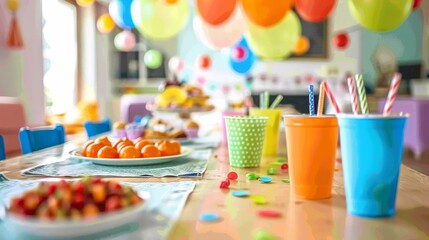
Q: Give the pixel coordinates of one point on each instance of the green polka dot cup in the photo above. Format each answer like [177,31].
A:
[245,136]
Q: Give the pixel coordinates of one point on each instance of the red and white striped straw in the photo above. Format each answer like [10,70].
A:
[353,95]
[394,86]
[331,97]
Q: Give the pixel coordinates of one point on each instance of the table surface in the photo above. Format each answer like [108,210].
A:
[301,219]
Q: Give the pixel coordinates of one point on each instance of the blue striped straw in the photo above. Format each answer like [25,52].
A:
[311,99]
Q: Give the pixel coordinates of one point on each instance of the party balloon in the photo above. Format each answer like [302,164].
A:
[125,41]
[176,64]
[171,1]
[266,13]
[153,59]
[417,3]
[301,46]
[158,19]
[245,64]
[380,15]
[84,3]
[275,42]
[13,5]
[238,53]
[105,23]
[341,40]
[223,35]
[215,12]
[120,11]
[204,62]
[314,10]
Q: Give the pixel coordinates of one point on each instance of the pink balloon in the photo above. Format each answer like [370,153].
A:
[221,36]
[125,41]
[176,64]
[238,53]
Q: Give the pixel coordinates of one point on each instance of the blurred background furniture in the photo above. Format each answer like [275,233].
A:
[12,118]
[95,128]
[133,105]
[416,132]
[39,138]
[2,153]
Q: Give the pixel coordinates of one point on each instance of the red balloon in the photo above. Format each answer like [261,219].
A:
[314,10]
[341,40]
[216,12]
[417,3]
[204,62]
[238,53]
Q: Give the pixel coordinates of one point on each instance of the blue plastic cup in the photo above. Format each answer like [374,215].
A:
[371,148]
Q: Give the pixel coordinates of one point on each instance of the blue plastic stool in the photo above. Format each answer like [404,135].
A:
[37,139]
[2,152]
[96,128]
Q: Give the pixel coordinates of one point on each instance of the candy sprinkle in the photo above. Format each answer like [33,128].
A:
[286,180]
[269,214]
[275,164]
[263,235]
[265,179]
[285,166]
[209,217]
[251,176]
[232,175]
[240,193]
[281,160]
[258,200]
[271,171]
[224,184]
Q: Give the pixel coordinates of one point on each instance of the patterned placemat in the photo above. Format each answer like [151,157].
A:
[193,165]
[164,207]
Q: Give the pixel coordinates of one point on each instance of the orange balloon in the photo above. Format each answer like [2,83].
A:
[302,46]
[266,13]
[171,1]
[105,23]
[216,12]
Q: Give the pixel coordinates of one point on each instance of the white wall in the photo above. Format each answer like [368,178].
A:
[21,71]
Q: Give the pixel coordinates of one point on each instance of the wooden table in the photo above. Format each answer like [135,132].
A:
[302,219]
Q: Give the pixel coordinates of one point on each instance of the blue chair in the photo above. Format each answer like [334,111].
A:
[2,152]
[96,128]
[39,138]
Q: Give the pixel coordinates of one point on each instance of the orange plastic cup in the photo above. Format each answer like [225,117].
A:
[311,148]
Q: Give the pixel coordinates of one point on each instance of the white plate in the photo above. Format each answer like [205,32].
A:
[131,161]
[70,228]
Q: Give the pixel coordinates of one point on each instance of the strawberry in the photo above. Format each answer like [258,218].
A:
[78,201]
[79,187]
[113,203]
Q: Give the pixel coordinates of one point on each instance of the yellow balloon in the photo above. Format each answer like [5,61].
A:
[84,3]
[380,15]
[13,5]
[158,19]
[275,42]
[105,23]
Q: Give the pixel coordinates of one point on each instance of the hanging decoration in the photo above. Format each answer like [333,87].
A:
[158,19]
[341,40]
[85,3]
[125,41]
[220,36]
[242,59]
[276,42]
[314,10]
[266,13]
[176,64]
[380,15]
[301,46]
[120,11]
[416,4]
[153,59]
[204,62]
[224,10]
[105,23]
[14,39]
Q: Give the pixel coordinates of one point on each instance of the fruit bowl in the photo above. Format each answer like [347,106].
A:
[59,225]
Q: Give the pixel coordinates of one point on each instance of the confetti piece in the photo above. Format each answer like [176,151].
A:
[209,217]
[224,184]
[271,171]
[232,175]
[275,164]
[281,160]
[286,180]
[263,235]
[251,176]
[258,200]
[265,179]
[240,193]
[269,214]
[285,166]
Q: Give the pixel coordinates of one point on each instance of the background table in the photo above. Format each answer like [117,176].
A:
[325,219]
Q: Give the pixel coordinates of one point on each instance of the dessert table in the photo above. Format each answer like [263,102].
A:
[301,219]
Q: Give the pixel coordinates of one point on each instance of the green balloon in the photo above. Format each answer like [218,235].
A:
[380,15]
[153,59]
[275,42]
[158,19]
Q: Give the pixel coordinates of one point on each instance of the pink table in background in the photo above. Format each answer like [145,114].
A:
[417,130]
